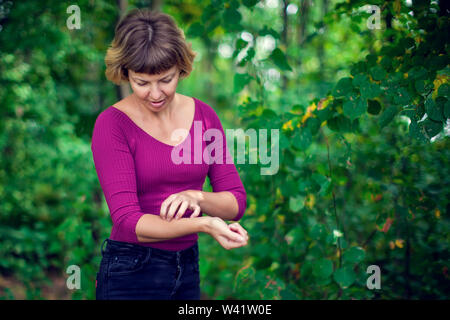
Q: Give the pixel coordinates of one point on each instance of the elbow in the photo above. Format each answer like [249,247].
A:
[129,227]
[241,198]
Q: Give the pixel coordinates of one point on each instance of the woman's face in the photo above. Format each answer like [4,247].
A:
[154,88]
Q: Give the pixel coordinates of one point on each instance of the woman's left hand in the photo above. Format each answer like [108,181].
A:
[188,199]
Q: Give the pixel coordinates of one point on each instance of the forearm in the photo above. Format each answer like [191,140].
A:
[218,204]
[151,228]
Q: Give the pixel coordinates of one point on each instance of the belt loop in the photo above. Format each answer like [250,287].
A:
[103,243]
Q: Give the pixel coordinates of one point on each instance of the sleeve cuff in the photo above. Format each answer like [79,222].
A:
[129,227]
[242,204]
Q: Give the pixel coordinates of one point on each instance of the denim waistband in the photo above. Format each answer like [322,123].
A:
[117,247]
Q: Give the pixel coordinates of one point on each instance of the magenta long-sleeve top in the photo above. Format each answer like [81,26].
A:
[137,172]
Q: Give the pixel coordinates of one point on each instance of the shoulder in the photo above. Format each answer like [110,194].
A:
[111,116]
[208,112]
[110,121]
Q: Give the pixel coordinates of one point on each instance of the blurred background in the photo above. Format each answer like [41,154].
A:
[359,92]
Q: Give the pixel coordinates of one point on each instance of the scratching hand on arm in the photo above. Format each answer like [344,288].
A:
[174,207]
[228,236]
[150,228]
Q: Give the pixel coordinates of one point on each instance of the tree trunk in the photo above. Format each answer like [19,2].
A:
[321,49]
[285,40]
[122,90]
[303,19]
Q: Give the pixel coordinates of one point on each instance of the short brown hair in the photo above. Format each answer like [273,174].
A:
[149,42]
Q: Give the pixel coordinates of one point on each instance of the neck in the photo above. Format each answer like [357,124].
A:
[164,114]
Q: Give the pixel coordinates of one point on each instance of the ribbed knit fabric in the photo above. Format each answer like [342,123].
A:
[137,174]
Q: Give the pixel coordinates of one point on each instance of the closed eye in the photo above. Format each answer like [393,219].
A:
[144,83]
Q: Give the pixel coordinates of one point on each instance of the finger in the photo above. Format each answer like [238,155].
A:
[233,236]
[238,228]
[182,210]
[235,244]
[164,205]
[243,231]
[172,209]
[196,212]
[237,225]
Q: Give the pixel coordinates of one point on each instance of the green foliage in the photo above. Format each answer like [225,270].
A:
[363,122]
[350,163]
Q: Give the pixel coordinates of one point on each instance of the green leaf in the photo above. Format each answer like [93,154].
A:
[287,294]
[269,114]
[374,107]
[323,182]
[232,17]
[371,59]
[431,127]
[420,86]
[345,277]
[240,81]
[279,58]
[416,131]
[354,108]
[357,68]
[213,24]
[402,96]
[317,232]
[354,255]
[240,44]
[296,203]
[294,236]
[388,114]
[249,3]
[378,73]
[307,267]
[340,124]
[324,114]
[269,31]
[447,109]
[248,57]
[322,268]
[443,90]
[343,87]
[386,63]
[434,110]
[305,185]
[437,62]
[195,30]
[302,139]
[370,90]
[313,124]
[360,79]
[284,141]
[419,73]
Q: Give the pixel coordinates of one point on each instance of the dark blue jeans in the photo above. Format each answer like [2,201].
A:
[130,271]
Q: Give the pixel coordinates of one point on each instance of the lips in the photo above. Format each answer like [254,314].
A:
[157,104]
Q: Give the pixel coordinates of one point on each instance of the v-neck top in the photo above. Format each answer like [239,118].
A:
[137,172]
[145,133]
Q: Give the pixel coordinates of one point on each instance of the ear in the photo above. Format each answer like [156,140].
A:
[125,73]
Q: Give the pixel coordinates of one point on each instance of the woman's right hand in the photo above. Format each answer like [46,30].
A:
[229,236]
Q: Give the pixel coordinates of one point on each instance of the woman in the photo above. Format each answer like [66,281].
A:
[156,204]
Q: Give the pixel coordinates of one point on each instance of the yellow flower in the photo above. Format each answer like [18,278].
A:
[437,213]
[287,125]
[440,80]
[309,111]
[399,243]
[310,201]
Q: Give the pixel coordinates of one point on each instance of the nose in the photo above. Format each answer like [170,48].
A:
[155,95]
